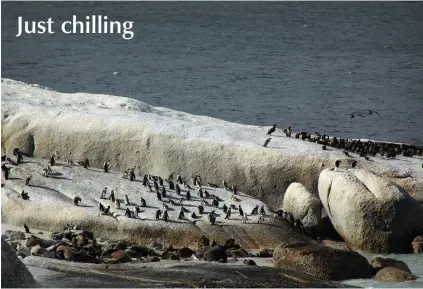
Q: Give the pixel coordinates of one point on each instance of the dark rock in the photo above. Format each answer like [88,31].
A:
[322,261]
[249,262]
[14,273]
[394,275]
[379,263]
[215,254]
[185,252]
[239,253]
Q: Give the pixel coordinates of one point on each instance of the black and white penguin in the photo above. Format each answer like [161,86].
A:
[165,216]
[28,179]
[234,189]
[262,211]
[346,153]
[216,203]
[24,196]
[103,193]
[143,203]
[126,200]
[26,229]
[200,193]
[200,209]
[193,215]
[354,164]
[337,163]
[324,147]
[225,185]
[158,214]
[255,210]
[171,176]
[206,194]
[241,212]
[137,210]
[128,213]
[171,185]
[179,179]
[225,209]
[165,206]
[188,195]
[177,190]
[100,207]
[156,185]
[181,215]
[163,192]
[272,130]
[267,142]
[160,181]
[76,201]
[106,211]
[228,214]
[145,180]
[159,196]
[112,196]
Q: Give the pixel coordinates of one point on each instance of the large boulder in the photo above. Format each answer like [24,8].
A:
[369,212]
[303,206]
[417,245]
[216,253]
[393,274]
[378,263]
[14,273]
[322,261]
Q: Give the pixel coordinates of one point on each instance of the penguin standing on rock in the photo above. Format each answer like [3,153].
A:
[76,201]
[179,179]
[171,185]
[354,164]
[145,180]
[28,180]
[143,203]
[225,209]
[241,212]
[163,192]
[26,229]
[24,196]
[165,216]
[188,195]
[178,190]
[103,193]
[112,196]
[159,197]
[200,209]
[156,185]
[126,200]
[228,214]
[158,214]
[262,210]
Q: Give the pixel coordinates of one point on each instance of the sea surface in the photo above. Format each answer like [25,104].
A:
[307,65]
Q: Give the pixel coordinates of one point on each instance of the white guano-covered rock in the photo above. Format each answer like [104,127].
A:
[303,206]
[370,212]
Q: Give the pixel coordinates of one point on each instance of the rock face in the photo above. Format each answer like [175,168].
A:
[94,126]
[322,261]
[370,212]
[394,275]
[13,272]
[417,245]
[303,206]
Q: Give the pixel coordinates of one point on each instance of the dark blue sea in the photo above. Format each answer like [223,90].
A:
[304,64]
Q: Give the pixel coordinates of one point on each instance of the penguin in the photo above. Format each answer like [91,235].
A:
[206,194]
[255,210]
[346,153]
[103,193]
[260,219]
[181,215]
[225,185]
[106,211]
[156,185]
[143,203]
[163,192]
[24,196]
[126,200]
[165,206]
[200,193]
[158,214]
[112,196]
[127,213]
[171,176]
[26,229]
[178,190]
[267,142]
[200,209]
[149,187]
[117,204]
[137,210]
[76,201]
[28,180]
[171,185]
[262,210]
[324,147]
[244,218]
[288,132]
[188,195]
[159,197]
[160,181]
[228,214]
[179,179]
[204,202]
[145,180]
[234,189]
[354,164]
[193,215]
[272,130]
[165,216]
[241,212]
[216,203]
[337,163]
[225,209]
[213,220]
[101,207]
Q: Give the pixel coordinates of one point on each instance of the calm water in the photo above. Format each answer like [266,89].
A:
[307,65]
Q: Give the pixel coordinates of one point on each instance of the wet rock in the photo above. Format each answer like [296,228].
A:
[379,263]
[121,257]
[394,275]
[417,245]
[265,253]
[185,252]
[322,261]
[14,273]
[34,241]
[13,235]
[215,254]
[239,253]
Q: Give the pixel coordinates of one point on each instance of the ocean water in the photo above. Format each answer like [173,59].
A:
[307,65]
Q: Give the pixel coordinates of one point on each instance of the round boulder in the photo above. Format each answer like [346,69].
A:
[369,212]
[379,263]
[303,206]
[393,274]
[14,273]
[322,261]
[216,253]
